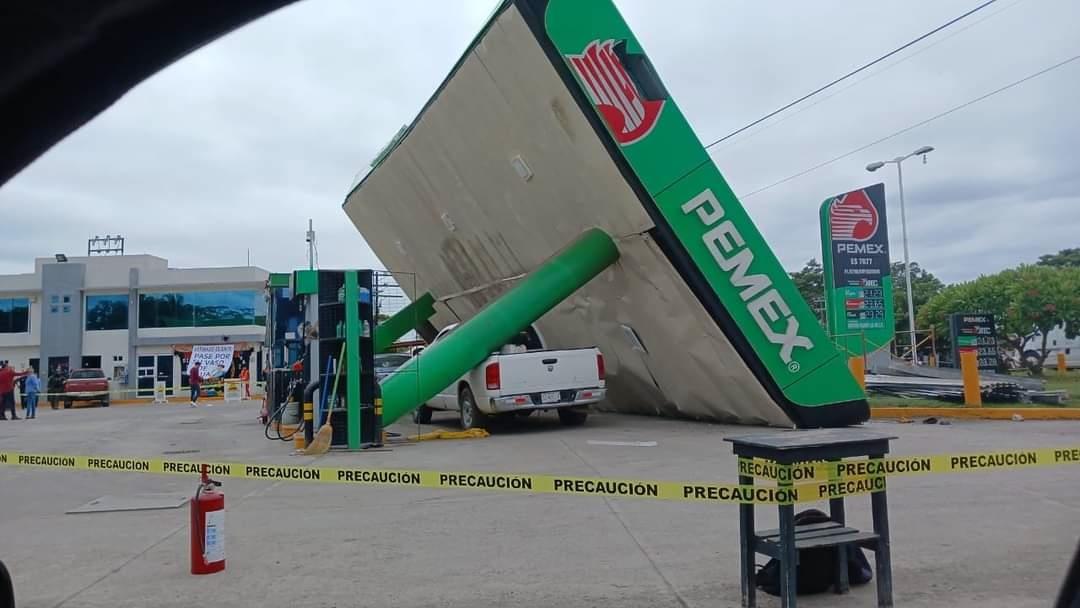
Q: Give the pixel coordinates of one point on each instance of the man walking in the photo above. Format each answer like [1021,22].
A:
[195,380]
[30,397]
[7,389]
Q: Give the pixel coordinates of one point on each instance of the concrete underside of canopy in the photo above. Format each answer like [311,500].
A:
[448,212]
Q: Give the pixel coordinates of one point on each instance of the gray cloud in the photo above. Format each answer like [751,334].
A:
[235,146]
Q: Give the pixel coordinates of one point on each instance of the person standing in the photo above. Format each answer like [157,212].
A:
[195,380]
[30,396]
[7,389]
[55,386]
[245,379]
[20,393]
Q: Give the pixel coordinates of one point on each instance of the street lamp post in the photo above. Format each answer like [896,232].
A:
[898,161]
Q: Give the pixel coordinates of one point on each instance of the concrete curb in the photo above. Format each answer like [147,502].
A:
[978,413]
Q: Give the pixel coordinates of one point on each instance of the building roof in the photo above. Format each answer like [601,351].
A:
[114,272]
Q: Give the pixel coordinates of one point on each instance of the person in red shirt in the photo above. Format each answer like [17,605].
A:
[195,380]
[7,389]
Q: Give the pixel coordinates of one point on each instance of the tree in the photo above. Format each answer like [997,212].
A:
[987,294]
[1065,257]
[1027,302]
[811,284]
[1044,297]
[924,285]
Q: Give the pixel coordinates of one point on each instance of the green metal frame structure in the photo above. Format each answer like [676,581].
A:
[404,321]
[352,358]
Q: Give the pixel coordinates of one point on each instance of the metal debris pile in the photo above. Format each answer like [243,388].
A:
[944,389]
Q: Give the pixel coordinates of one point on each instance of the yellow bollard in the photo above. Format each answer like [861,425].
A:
[1061,368]
[300,439]
[969,371]
[858,369]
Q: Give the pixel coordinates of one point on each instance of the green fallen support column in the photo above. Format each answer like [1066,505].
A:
[406,320]
[441,364]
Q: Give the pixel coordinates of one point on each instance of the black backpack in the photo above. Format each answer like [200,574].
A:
[814,573]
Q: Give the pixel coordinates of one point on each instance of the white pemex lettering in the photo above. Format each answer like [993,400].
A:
[738,265]
[707,216]
[764,303]
[769,309]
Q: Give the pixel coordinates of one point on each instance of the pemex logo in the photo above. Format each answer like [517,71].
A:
[602,70]
[852,217]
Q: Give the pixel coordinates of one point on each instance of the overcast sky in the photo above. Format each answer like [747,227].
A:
[235,146]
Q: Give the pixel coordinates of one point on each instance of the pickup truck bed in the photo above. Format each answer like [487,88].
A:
[519,380]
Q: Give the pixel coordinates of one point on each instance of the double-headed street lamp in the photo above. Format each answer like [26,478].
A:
[874,166]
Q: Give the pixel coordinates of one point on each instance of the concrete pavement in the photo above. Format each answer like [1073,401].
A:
[977,539]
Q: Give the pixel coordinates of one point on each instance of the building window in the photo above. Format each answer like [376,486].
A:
[202,309]
[14,315]
[104,312]
[260,309]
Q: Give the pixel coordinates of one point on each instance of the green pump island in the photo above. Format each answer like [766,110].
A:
[554,122]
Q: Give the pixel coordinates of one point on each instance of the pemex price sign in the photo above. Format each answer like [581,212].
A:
[855,257]
[975,332]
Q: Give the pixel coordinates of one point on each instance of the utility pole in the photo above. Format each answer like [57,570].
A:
[907,269]
[874,166]
[310,245]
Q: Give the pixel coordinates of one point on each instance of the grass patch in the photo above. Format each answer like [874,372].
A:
[1069,381]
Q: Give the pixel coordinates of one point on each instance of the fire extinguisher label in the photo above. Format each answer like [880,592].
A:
[214,539]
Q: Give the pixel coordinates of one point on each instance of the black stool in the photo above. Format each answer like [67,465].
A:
[783,543]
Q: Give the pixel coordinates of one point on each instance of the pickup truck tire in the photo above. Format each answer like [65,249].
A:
[572,416]
[67,404]
[105,402]
[422,415]
[471,416]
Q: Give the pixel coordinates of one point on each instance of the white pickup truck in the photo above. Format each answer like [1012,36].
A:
[521,378]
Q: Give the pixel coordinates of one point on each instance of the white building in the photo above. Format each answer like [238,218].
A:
[130,315]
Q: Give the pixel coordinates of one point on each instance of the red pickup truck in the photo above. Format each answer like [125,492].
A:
[86,385]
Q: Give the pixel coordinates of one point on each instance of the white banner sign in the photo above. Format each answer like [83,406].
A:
[214,359]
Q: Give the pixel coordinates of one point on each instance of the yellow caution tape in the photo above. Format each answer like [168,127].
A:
[846,478]
[910,465]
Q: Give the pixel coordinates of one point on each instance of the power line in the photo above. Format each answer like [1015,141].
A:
[852,73]
[892,65]
[916,125]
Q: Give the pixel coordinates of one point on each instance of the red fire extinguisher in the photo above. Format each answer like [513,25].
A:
[207,527]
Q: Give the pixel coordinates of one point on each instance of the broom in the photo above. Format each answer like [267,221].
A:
[321,443]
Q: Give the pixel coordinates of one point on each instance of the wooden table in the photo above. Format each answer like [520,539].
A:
[791,447]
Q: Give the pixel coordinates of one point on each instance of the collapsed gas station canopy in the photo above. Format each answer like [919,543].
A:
[553,122]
